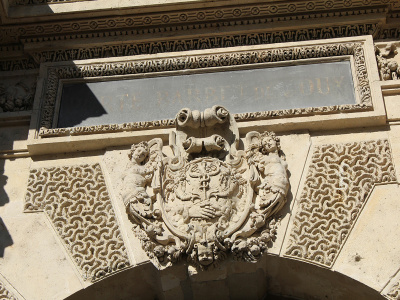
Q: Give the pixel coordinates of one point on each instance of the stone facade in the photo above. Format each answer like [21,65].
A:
[220,202]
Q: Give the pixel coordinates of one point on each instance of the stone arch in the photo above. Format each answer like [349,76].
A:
[273,277]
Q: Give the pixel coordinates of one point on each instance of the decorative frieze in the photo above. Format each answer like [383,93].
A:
[200,43]
[18,64]
[5,294]
[208,199]
[180,21]
[196,62]
[76,200]
[223,16]
[338,183]
[32,2]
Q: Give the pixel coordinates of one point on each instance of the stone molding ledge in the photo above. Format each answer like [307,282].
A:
[368,108]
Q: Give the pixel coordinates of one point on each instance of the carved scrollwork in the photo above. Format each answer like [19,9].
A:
[209,199]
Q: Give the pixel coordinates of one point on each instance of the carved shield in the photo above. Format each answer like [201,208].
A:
[206,200]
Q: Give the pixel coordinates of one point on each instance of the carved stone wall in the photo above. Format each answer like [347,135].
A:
[5,294]
[77,202]
[338,183]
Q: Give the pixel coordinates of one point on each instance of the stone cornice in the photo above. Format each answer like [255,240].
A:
[201,17]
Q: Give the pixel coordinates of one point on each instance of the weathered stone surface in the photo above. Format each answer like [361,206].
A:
[338,183]
[209,199]
[377,223]
[76,200]
[5,294]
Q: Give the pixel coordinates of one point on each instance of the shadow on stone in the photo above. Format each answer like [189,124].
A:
[5,238]
[79,103]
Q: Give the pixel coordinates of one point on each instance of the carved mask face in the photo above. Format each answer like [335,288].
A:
[269,144]
[205,255]
[140,154]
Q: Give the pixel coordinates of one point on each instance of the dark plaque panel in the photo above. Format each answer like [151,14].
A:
[148,99]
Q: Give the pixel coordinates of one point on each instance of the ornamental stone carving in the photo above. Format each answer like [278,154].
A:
[5,293]
[339,181]
[389,69]
[16,96]
[209,199]
[77,202]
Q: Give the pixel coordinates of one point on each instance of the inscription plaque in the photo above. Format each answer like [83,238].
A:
[147,99]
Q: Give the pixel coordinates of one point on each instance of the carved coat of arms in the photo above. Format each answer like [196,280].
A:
[207,198]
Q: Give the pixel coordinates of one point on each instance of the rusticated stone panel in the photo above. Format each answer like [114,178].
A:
[338,183]
[5,294]
[77,202]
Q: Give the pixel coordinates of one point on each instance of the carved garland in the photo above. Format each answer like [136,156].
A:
[209,199]
[202,62]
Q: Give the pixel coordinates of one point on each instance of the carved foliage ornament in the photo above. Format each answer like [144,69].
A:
[209,199]
[196,62]
[389,69]
[16,97]
[5,293]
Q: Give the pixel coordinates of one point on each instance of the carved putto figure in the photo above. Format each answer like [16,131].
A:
[271,170]
[209,198]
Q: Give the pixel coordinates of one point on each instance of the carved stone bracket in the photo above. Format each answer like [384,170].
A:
[198,62]
[339,180]
[77,203]
[209,199]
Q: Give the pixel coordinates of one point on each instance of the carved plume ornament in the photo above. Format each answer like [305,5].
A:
[209,199]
